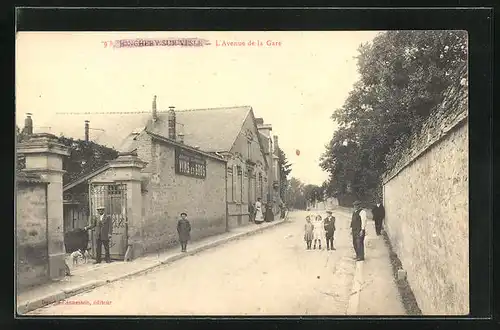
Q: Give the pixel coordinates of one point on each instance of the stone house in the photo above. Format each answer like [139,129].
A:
[210,163]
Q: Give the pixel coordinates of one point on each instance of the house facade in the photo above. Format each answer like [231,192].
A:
[210,163]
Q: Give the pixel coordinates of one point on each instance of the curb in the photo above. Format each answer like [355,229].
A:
[353,305]
[66,293]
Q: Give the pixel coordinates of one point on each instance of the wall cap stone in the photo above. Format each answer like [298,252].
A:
[451,114]
[42,143]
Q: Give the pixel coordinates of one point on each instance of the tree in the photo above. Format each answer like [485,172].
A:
[85,156]
[285,169]
[295,196]
[20,161]
[404,75]
[313,194]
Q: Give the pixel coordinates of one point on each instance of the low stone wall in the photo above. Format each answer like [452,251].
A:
[32,263]
[426,201]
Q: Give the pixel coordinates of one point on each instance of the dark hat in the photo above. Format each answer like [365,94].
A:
[329,212]
[184,213]
[357,203]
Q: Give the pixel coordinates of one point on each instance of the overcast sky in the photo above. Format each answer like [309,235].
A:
[295,86]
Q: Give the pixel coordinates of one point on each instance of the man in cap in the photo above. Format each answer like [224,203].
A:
[358,225]
[103,228]
[378,216]
[329,225]
[184,231]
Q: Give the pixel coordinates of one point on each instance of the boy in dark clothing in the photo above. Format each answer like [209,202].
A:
[329,225]
[184,231]
[378,216]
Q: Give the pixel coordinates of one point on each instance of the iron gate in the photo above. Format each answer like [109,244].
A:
[114,198]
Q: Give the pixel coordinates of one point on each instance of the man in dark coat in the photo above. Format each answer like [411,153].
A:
[184,231]
[329,225]
[358,225]
[378,216]
[103,226]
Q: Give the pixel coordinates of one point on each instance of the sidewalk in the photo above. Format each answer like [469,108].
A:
[374,290]
[92,276]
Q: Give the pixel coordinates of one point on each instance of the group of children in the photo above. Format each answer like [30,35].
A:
[318,229]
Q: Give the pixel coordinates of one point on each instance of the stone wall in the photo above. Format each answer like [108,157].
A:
[31,226]
[167,194]
[426,201]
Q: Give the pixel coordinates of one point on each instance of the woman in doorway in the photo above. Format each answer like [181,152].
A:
[259,216]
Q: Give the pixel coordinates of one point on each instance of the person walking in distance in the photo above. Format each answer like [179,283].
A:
[358,225]
[378,216]
[329,225]
[184,231]
[308,232]
[103,226]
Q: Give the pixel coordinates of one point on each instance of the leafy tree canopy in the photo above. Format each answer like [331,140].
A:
[285,169]
[85,156]
[403,77]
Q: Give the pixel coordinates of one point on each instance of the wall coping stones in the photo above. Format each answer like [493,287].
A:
[42,143]
[451,114]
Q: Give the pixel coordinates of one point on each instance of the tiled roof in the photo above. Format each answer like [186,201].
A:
[211,130]
[108,129]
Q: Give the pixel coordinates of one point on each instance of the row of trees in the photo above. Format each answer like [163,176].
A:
[300,195]
[404,75]
[85,156]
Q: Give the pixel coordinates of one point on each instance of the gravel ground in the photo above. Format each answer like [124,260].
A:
[270,273]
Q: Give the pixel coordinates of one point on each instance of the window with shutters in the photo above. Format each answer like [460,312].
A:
[240,184]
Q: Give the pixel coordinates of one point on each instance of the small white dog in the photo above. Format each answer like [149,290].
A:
[86,255]
[75,256]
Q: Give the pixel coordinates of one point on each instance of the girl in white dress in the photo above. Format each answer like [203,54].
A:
[319,231]
[259,216]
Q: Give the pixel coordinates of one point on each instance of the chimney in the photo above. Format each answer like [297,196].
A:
[259,121]
[28,124]
[171,123]
[276,146]
[155,115]
[87,130]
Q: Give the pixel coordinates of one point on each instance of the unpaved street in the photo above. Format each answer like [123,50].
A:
[270,273]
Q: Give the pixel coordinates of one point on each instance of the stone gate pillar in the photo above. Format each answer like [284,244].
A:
[127,169]
[44,156]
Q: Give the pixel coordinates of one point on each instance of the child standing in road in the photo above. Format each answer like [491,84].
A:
[318,231]
[308,232]
[184,231]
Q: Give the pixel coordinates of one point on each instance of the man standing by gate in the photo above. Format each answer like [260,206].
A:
[358,224]
[103,229]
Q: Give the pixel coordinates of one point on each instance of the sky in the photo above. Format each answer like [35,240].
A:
[295,84]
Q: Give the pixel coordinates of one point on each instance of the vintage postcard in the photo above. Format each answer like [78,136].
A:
[242,173]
